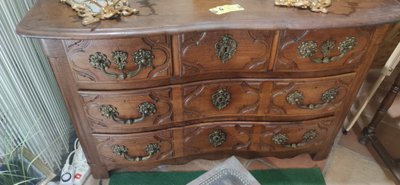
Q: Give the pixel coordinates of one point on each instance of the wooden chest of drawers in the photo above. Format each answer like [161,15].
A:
[153,90]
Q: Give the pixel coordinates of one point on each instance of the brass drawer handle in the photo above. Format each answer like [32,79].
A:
[226,48]
[145,109]
[281,139]
[221,99]
[142,58]
[296,98]
[217,138]
[151,150]
[308,49]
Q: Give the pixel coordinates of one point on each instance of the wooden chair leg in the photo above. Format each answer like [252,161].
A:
[369,131]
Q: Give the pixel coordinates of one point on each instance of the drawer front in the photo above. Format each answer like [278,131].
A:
[122,61]
[259,138]
[319,50]
[128,111]
[221,99]
[225,51]
[135,149]
[315,96]
[256,137]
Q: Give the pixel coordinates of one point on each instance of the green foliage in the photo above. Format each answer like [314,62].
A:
[14,170]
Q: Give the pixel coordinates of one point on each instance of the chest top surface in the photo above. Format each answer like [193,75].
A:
[52,19]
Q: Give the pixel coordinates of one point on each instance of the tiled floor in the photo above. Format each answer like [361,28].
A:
[349,163]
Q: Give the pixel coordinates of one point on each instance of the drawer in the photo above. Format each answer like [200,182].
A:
[319,50]
[116,150]
[120,63]
[221,99]
[128,111]
[256,136]
[302,97]
[225,51]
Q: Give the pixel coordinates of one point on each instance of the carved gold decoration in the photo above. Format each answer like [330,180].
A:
[93,11]
[313,5]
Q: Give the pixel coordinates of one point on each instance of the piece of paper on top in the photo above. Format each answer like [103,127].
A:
[226,9]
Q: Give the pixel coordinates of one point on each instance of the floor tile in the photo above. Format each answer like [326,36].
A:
[349,167]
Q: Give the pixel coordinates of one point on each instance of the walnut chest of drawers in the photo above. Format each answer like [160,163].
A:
[179,83]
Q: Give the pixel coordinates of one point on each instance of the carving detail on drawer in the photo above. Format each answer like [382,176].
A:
[225,51]
[126,60]
[219,99]
[319,50]
[134,149]
[128,111]
[309,97]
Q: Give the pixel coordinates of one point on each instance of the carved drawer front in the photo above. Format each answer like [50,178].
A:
[309,96]
[128,111]
[319,50]
[135,149]
[132,62]
[211,137]
[279,137]
[221,99]
[225,51]
[257,137]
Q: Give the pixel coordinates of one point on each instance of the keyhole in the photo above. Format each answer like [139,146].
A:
[217,138]
[225,49]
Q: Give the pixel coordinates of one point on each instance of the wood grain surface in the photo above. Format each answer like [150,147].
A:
[51,19]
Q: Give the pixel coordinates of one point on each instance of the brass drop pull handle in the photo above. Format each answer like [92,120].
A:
[221,98]
[296,98]
[151,150]
[308,49]
[217,138]
[281,139]
[142,58]
[226,48]
[145,109]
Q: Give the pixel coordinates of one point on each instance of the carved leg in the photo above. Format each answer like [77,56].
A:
[387,102]
[99,172]
[321,155]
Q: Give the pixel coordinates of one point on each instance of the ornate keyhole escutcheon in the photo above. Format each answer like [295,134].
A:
[280,139]
[221,99]
[226,48]
[217,138]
